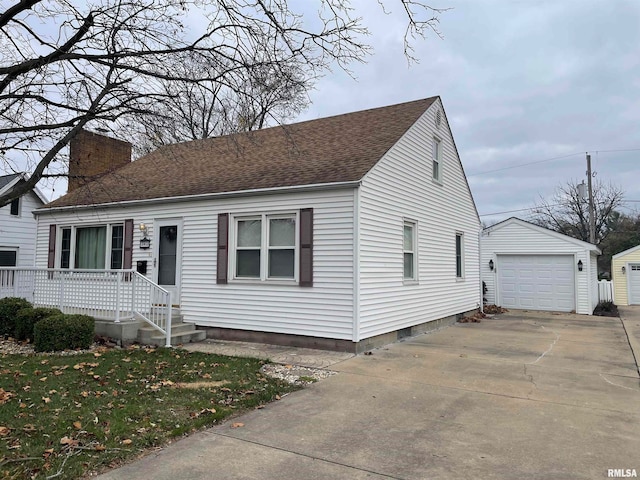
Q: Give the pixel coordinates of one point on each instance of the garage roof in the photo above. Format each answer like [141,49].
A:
[533,226]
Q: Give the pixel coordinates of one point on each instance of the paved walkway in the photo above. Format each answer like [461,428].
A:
[304,357]
[524,395]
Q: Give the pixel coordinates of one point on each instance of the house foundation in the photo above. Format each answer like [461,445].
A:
[336,345]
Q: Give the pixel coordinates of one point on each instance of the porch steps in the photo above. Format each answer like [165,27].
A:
[180,333]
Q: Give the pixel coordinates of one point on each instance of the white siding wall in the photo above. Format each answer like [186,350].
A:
[594,281]
[518,239]
[324,310]
[20,232]
[620,280]
[400,187]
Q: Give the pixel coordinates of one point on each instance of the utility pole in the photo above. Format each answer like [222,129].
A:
[592,216]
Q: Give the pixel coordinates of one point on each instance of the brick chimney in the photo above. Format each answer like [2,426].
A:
[92,155]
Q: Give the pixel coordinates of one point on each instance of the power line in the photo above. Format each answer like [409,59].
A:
[535,208]
[525,164]
[553,158]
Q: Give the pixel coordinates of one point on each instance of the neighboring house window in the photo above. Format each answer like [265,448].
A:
[15,207]
[92,248]
[437,160]
[265,247]
[8,258]
[409,251]
[459,255]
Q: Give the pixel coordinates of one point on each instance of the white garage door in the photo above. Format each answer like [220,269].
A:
[634,284]
[537,282]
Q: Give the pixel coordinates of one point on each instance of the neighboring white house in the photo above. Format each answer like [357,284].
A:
[625,272]
[18,225]
[525,266]
[340,232]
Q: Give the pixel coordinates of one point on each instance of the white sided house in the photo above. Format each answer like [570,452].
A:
[18,225]
[625,272]
[525,266]
[340,233]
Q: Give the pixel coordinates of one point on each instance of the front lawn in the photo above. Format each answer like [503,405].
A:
[66,416]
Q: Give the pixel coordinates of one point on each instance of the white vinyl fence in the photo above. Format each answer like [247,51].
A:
[104,294]
[605,291]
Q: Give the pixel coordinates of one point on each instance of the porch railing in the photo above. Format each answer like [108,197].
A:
[103,294]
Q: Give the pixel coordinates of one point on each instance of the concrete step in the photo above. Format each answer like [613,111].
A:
[180,333]
[179,338]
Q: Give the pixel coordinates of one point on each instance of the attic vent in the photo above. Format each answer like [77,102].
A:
[438,118]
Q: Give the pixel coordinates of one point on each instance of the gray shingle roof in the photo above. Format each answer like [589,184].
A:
[7,179]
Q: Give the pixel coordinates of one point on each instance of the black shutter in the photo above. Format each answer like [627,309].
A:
[223,250]
[127,260]
[51,260]
[306,247]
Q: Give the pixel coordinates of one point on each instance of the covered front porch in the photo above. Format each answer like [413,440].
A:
[122,301]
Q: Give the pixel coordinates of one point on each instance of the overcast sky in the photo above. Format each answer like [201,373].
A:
[521,82]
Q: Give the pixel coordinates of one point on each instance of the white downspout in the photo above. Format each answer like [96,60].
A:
[356,264]
[480,269]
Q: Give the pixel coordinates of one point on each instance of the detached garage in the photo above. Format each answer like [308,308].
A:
[625,272]
[528,267]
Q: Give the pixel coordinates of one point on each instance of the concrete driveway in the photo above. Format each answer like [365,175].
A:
[524,395]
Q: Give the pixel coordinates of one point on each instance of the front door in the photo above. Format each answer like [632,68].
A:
[168,249]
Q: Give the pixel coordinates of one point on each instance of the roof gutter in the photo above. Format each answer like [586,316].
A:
[204,196]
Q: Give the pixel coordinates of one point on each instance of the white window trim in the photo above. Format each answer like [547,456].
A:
[462,262]
[72,251]
[413,280]
[264,248]
[436,179]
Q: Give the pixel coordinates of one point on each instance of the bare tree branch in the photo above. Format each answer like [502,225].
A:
[224,65]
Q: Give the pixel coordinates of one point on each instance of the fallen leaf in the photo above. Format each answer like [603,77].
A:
[77,366]
[43,379]
[77,425]
[85,394]
[68,441]
[5,396]
[4,431]
[29,428]
[127,441]
[100,448]
[46,399]
[237,425]
[97,354]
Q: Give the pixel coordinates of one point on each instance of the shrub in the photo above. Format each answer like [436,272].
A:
[27,318]
[61,332]
[606,308]
[9,308]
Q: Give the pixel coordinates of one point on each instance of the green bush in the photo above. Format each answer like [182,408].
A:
[61,332]
[27,318]
[9,308]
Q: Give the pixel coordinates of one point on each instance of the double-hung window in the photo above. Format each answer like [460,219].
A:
[437,160]
[409,251]
[266,247]
[459,255]
[93,248]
